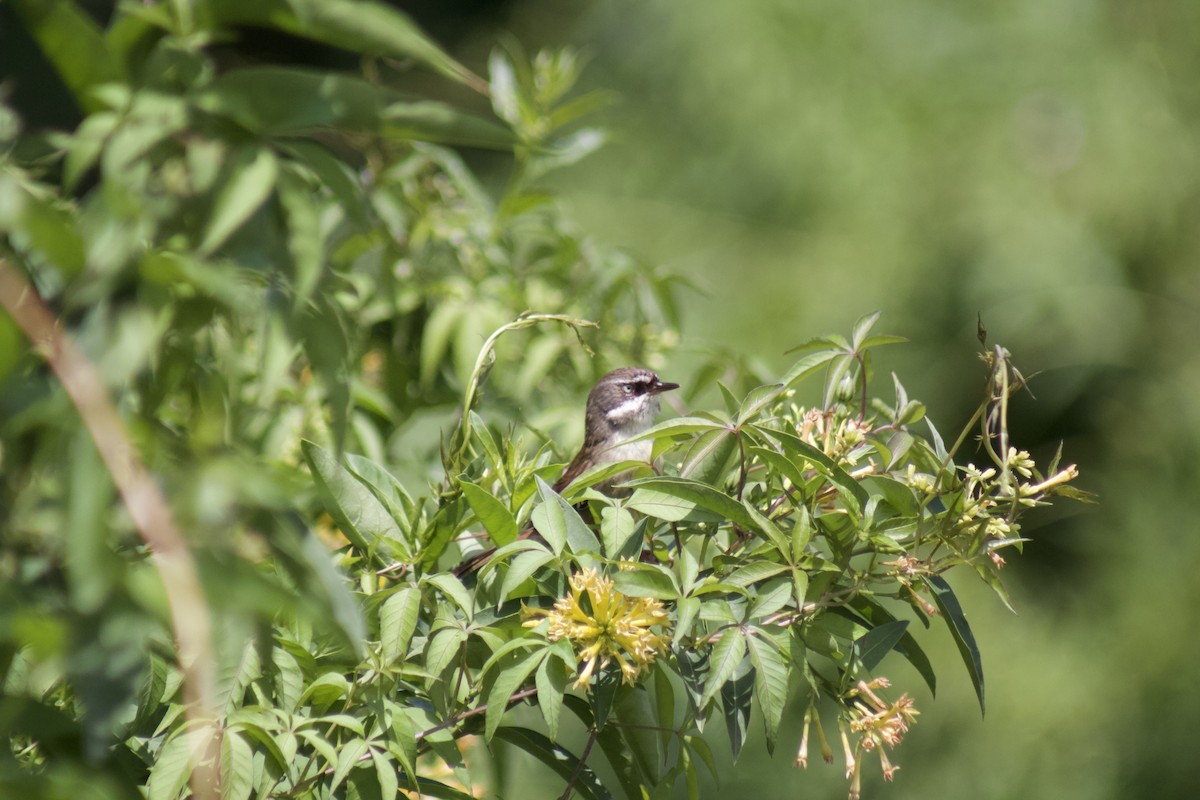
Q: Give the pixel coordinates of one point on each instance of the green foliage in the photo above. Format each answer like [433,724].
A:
[343,358]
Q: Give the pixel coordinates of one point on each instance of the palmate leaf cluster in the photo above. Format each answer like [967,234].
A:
[344,361]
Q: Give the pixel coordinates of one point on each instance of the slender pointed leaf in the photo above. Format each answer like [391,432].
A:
[956,621]
[557,758]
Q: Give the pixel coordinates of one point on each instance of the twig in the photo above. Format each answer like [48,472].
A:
[457,718]
[587,749]
[150,513]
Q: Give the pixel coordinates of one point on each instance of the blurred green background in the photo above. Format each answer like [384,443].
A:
[1033,162]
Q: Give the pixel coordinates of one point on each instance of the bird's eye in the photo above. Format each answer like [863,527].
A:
[627,388]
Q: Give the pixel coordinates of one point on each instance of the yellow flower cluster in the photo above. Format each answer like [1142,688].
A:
[605,626]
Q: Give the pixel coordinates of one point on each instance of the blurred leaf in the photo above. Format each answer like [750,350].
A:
[252,174]
[956,621]
[89,561]
[74,44]
[237,767]
[306,244]
[35,222]
[170,771]
[356,25]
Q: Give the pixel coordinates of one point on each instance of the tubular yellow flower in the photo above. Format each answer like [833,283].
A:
[608,627]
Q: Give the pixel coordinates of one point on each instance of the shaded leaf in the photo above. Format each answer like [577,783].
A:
[876,643]
[956,621]
[557,758]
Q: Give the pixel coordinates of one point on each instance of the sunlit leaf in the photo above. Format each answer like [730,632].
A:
[494,515]
[770,683]
[561,524]
[398,621]
[358,513]
[727,653]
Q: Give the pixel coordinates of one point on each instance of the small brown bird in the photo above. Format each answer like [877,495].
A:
[620,406]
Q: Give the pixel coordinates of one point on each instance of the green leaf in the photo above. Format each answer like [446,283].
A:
[757,400]
[74,44]
[398,621]
[358,513]
[170,771]
[252,173]
[495,516]
[660,505]
[808,365]
[37,223]
[709,456]
[646,580]
[551,682]
[636,721]
[453,588]
[876,643]
[444,647]
[349,754]
[326,582]
[736,702]
[557,758]
[727,653]
[385,773]
[754,571]
[679,427]
[561,524]
[305,241]
[956,621]
[522,569]
[507,682]
[664,704]
[619,532]
[686,612]
[699,494]
[861,328]
[237,767]
[770,683]
[89,562]
[326,690]
[361,26]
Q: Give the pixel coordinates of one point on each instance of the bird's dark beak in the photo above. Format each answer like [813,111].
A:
[662,386]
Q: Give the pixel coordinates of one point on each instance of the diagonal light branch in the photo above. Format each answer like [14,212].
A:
[151,516]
